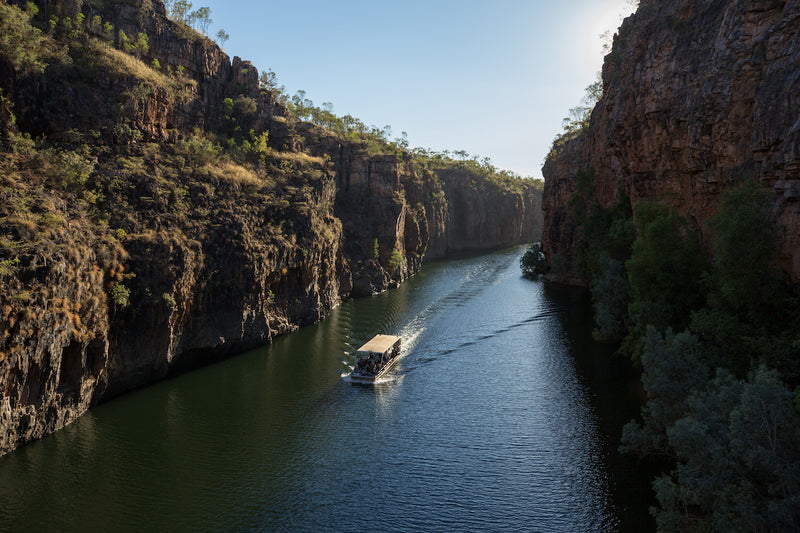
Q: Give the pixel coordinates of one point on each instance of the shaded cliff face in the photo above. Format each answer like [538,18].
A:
[697,97]
[559,226]
[146,232]
[483,215]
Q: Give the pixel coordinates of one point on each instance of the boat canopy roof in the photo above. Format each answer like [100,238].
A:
[380,344]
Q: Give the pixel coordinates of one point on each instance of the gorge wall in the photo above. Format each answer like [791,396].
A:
[697,96]
[160,210]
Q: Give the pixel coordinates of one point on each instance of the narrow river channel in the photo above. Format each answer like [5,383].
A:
[502,415]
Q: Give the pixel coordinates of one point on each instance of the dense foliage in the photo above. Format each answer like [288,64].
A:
[602,244]
[717,337]
[533,262]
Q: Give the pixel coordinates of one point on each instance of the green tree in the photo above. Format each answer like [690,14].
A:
[227,107]
[578,117]
[601,231]
[125,42]
[179,10]
[751,314]
[96,24]
[672,368]
[260,146]
[22,45]
[665,271]
[396,260]
[533,262]
[222,37]
[201,19]
[738,446]
[748,279]
[268,80]
[610,298]
[141,46]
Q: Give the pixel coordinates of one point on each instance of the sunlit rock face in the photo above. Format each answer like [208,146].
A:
[698,96]
[198,257]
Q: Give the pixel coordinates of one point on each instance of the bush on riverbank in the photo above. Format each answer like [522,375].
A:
[533,262]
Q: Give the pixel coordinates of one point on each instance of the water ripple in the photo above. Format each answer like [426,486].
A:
[483,425]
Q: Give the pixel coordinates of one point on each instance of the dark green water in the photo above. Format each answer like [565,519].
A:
[502,415]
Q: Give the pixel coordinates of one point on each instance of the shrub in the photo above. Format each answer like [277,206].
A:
[120,295]
[200,149]
[124,134]
[533,262]
[244,105]
[396,260]
[8,266]
[168,300]
[75,170]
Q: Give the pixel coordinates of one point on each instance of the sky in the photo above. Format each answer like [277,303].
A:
[492,77]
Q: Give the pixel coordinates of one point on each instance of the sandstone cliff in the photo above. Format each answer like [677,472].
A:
[159,210]
[697,97]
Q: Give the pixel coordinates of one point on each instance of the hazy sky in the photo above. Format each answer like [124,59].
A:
[492,77]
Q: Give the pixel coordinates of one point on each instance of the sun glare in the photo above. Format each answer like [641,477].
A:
[600,26]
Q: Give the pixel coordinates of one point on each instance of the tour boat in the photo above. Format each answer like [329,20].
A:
[375,358]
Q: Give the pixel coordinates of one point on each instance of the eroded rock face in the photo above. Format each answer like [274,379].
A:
[55,331]
[697,97]
[198,259]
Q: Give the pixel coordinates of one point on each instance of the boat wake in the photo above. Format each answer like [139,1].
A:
[449,313]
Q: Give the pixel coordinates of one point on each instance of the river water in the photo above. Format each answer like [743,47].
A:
[502,415]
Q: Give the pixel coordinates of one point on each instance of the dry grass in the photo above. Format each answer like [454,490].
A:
[121,64]
[234,174]
[299,157]
[25,222]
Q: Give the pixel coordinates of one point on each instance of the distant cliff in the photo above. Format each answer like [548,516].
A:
[698,96]
[161,209]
